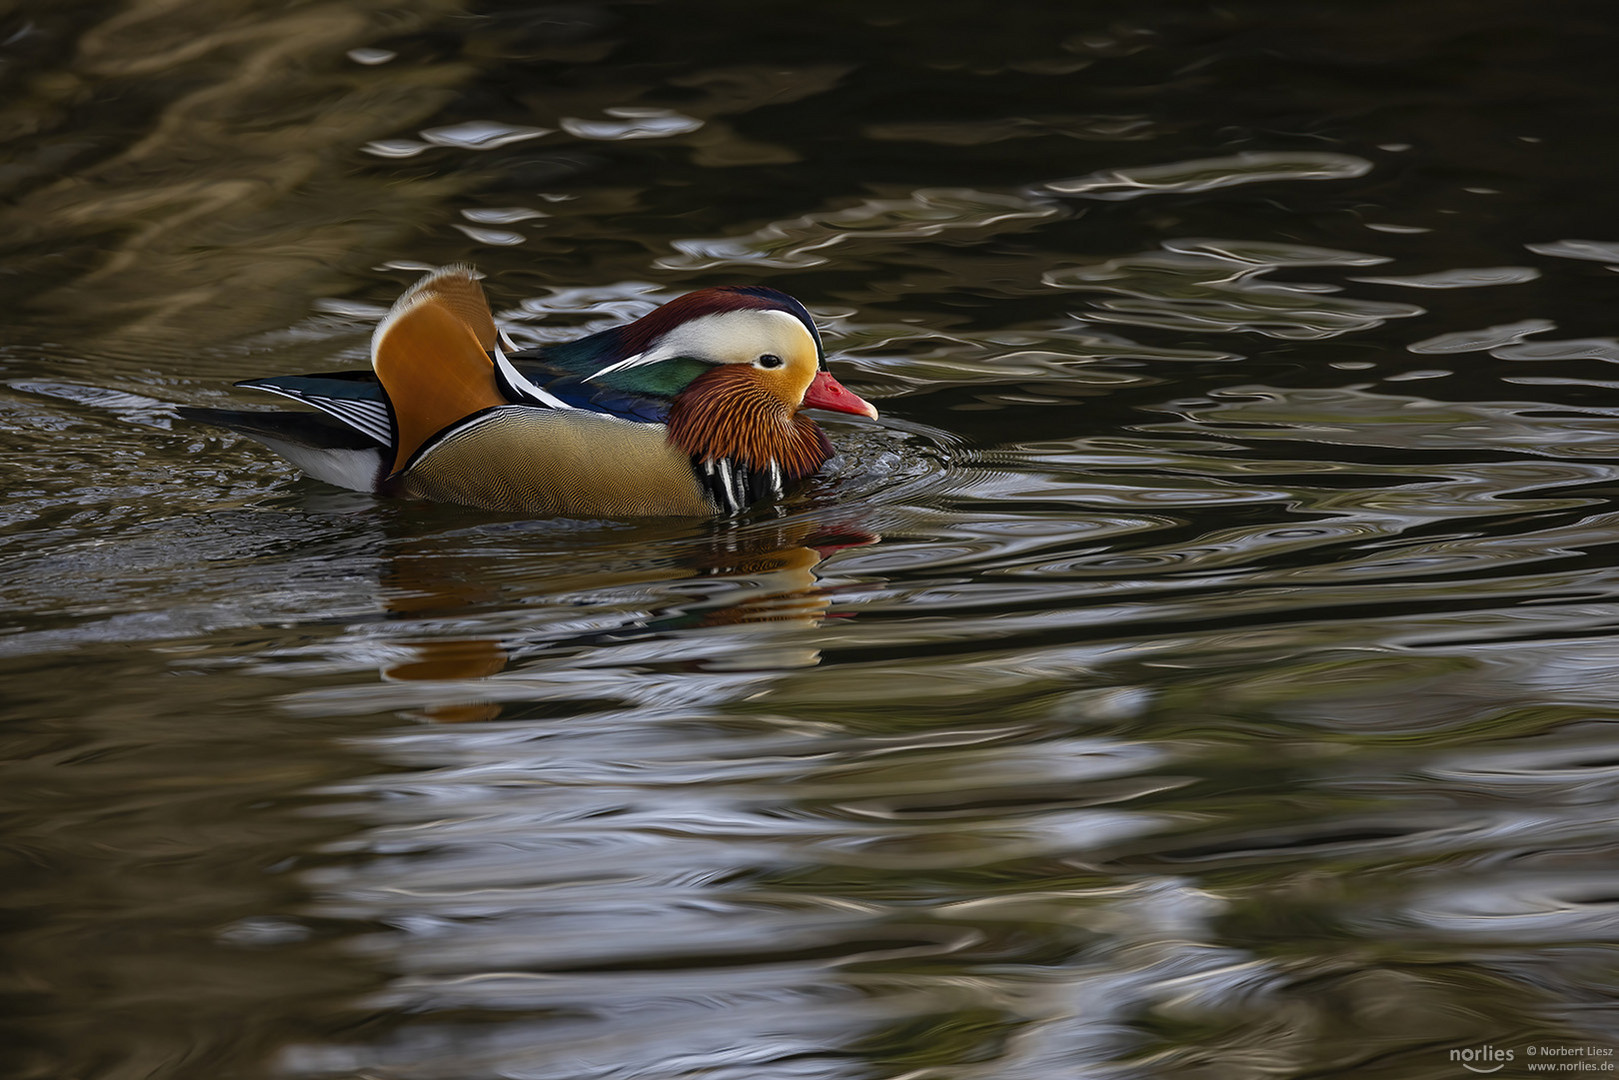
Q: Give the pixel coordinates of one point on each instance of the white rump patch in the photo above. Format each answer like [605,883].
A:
[356,470]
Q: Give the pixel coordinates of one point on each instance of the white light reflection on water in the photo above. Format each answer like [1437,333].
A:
[809,240]
[626,904]
[1209,174]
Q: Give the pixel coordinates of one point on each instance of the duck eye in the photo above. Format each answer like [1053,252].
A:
[770,360]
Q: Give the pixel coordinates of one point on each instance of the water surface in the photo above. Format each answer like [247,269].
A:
[1205,669]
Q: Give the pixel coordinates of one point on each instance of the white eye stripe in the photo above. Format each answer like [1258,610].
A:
[720,339]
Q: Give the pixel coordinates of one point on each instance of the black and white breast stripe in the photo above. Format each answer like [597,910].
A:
[734,486]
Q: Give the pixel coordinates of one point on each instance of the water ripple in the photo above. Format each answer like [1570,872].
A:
[1485,340]
[1591,250]
[808,240]
[1460,278]
[632,123]
[1219,287]
[1208,174]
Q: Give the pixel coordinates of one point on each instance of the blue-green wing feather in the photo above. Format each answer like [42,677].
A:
[645,392]
[357,398]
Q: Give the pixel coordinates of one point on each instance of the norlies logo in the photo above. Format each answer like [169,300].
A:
[1481,1059]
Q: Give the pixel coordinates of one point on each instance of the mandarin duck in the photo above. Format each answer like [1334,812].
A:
[693,409]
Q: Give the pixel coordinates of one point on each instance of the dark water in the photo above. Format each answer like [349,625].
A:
[1207,669]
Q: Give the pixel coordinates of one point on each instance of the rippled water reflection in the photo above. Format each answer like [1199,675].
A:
[1205,669]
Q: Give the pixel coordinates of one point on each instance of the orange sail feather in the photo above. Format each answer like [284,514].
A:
[433,368]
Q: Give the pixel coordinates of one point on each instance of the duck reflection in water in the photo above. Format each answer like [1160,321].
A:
[754,584]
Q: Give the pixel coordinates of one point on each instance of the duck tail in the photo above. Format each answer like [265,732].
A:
[322,447]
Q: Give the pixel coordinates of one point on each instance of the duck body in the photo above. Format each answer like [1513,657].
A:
[691,410]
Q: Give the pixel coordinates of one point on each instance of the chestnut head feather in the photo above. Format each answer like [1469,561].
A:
[652,332]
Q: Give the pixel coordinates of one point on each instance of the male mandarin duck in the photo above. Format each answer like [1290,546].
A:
[693,409]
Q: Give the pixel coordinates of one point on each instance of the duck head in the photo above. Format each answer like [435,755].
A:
[739,363]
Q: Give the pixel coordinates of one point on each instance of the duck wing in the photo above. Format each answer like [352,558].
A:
[354,397]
